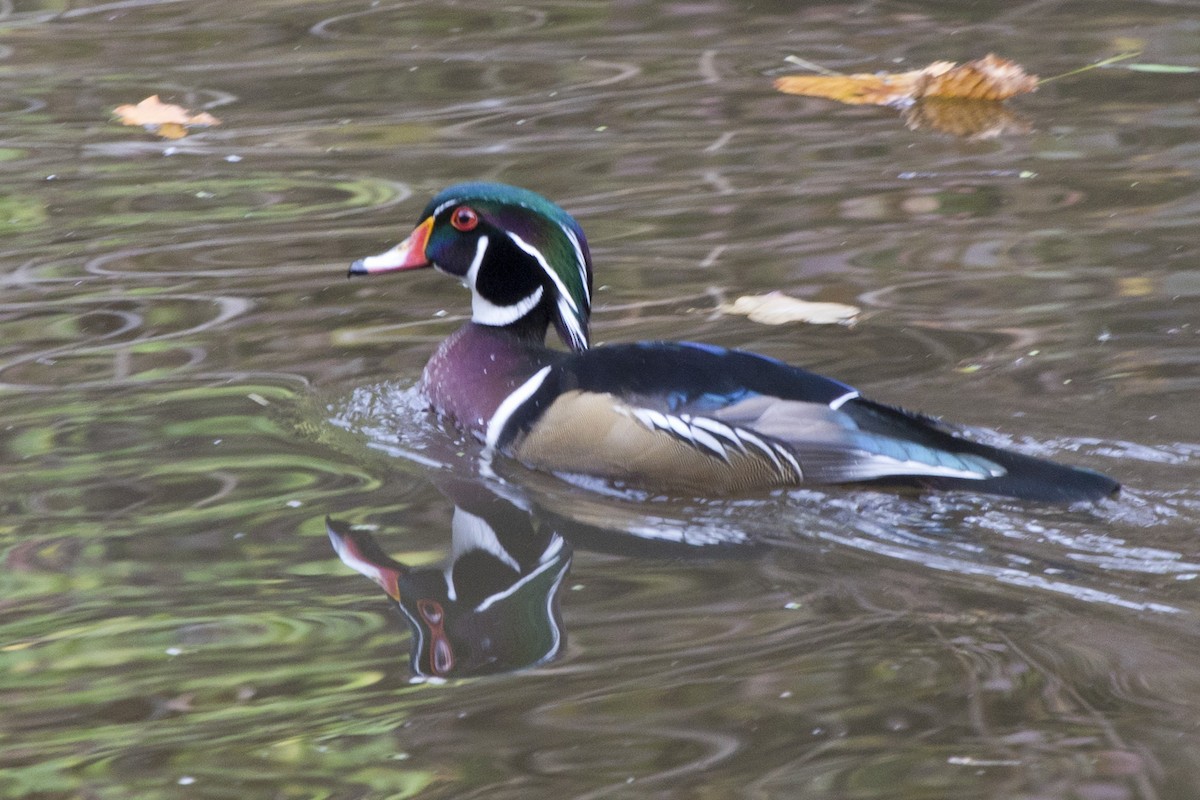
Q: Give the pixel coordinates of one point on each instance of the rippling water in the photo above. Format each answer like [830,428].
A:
[189,386]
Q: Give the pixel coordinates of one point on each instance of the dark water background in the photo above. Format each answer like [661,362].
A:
[188,385]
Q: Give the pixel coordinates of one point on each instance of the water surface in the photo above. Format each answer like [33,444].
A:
[188,386]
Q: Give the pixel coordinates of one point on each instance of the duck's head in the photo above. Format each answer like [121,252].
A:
[522,257]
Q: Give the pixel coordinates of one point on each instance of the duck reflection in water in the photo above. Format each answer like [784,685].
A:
[493,605]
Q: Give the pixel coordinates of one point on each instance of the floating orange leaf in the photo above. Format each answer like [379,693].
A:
[164,119]
[989,78]
[860,89]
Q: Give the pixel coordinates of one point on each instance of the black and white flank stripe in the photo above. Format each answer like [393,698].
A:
[719,440]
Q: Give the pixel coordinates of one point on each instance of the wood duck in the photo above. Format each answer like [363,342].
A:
[670,417]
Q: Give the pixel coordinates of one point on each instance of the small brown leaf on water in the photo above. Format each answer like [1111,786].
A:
[164,119]
[989,78]
[969,119]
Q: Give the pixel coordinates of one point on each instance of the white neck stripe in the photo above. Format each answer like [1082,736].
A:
[485,312]
[511,403]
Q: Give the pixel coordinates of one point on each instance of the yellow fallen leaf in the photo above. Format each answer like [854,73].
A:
[171,130]
[164,119]
[988,78]
[776,308]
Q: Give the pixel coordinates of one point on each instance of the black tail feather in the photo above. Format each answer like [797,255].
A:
[1029,478]
[1025,478]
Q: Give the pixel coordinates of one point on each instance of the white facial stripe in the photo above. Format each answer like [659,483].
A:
[473,271]
[580,261]
[444,206]
[490,600]
[554,277]
[574,329]
[511,403]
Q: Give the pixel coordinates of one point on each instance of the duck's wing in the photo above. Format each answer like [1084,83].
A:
[702,418]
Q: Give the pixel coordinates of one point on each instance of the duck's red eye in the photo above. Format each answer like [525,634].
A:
[464,218]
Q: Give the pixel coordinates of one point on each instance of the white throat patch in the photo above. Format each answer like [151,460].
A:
[484,311]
